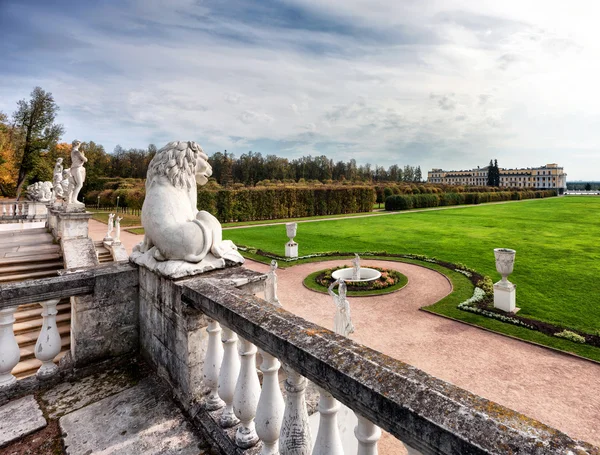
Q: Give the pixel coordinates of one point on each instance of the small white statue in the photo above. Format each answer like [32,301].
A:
[118,229]
[111,225]
[57,177]
[78,159]
[356,268]
[67,185]
[271,285]
[40,191]
[342,323]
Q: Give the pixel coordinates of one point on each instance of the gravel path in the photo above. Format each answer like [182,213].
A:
[557,389]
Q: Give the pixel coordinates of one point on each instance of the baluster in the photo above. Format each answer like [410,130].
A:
[48,343]
[269,412]
[245,398]
[328,440]
[3,210]
[9,349]
[230,370]
[295,431]
[10,210]
[367,434]
[212,365]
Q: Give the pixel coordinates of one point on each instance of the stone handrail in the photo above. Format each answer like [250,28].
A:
[69,285]
[48,292]
[15,211]
[427,414]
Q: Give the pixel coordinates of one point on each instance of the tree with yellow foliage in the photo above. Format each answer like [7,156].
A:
[8,171]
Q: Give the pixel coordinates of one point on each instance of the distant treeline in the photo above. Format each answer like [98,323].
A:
[252,168]
[587,186]
[417,201]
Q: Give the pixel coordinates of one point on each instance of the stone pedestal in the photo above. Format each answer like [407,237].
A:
[173,338]
[118,251]
[505,296]
[291,250]
[53,220]
[72,224]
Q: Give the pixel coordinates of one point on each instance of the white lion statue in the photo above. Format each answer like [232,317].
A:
[172,223]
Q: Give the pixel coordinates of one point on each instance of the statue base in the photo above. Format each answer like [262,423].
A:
[76,207]
[291,250]
[505,297]
[179,269]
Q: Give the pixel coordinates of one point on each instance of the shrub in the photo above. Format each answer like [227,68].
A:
[568,335]
[406,201]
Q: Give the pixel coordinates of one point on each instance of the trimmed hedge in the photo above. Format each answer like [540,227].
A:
[250,204]
[418,201]
[259,203]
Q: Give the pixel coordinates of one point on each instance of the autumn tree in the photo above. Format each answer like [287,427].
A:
[8,174]
[35,121]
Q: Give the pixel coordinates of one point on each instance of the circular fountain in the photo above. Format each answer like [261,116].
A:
[366,274]
[356,273]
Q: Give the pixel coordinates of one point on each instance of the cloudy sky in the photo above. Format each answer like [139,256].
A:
[435,83]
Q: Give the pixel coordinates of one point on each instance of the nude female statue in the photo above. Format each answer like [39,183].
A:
[78,159]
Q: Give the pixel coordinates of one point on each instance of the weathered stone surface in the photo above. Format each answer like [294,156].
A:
[69,396]
[33,291]
[105,323]
[79,253]
[19,418]
[172,337]
[72,225]
[139,420]
[118,251]
[179,269]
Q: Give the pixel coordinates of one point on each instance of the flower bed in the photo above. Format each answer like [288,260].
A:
[389,281]
[481,303]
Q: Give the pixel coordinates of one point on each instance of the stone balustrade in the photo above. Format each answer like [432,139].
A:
[104,319]
[19,211]
[204,339]
[428,415]
[46,349]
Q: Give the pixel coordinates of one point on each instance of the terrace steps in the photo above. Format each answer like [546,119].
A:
[32,254]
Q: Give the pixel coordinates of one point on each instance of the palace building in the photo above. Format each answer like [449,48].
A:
[550,176]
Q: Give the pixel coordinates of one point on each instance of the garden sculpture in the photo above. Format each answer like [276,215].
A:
[67,185]
[356,267]
[78,159]
[271,285]
[111,223]
[174,228]
[118,229]
[57,177]
[342,322]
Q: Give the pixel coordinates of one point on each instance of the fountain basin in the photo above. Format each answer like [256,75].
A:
[366,274]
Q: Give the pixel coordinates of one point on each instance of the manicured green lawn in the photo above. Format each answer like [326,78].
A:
[128,220]
[557,241]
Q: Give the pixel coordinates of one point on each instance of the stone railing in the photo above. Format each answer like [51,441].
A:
[104,318]
[428,415]
[19,211]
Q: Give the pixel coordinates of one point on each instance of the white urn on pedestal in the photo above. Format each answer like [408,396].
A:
[291,248]
[504,290]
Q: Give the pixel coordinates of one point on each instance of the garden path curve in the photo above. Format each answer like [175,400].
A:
[557,389]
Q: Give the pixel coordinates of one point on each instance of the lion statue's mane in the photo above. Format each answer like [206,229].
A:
[172,223]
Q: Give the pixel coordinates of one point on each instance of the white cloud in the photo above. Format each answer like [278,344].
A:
[448,83]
